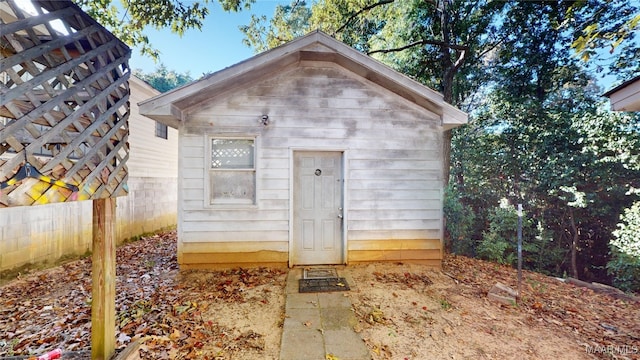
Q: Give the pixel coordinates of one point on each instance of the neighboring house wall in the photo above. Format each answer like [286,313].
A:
[626,96]
[47,232]
[392,152]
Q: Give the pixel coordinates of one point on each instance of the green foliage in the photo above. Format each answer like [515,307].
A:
[625,250]
[127,19]
[625,270]
[287,23]
[163,79]
[602,24]
[460,220]
[499,243]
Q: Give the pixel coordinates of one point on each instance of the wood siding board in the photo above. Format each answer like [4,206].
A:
[192,151]
[273,173]
[392,225]
[273,184]
[382,174]
[196,163]
[393,215]
[394,204]
[382,184]
[395,192]
[359,235]
[192,183]
[388,154]
[403,244]
[394,255]
[234,259]
[193,194]
[271,194]
[209,236]
[235,246]
[273,163]
[395,164]
[236,215]
[192,173]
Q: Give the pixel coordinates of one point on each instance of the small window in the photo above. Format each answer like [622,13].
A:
[232,171]
[161,130]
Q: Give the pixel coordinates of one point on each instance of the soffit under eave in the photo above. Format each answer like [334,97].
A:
[166,114]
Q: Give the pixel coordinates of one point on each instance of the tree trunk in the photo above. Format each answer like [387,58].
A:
[574,245]
[448,72]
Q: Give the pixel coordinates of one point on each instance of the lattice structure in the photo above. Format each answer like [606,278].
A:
[64,105]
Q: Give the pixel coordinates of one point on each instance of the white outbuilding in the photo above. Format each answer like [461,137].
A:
[310,153]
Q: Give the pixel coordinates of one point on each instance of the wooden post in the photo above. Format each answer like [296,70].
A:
[103,289]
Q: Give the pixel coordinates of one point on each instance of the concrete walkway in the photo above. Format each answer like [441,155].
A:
[319,326]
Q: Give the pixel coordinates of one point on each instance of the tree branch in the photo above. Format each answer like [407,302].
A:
[462,48]
[366,8]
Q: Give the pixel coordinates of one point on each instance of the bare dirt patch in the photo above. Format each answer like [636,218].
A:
[404,311]
[411,312]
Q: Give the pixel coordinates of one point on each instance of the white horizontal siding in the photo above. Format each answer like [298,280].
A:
[377,234]
[394,164]
[149,155]
[230,236]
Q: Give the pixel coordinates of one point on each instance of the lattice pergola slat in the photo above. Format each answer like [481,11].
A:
[64,105]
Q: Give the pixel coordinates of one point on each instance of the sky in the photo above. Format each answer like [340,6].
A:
[216,46]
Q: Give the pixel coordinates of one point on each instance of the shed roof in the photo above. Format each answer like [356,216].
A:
[626,96]
[171,107]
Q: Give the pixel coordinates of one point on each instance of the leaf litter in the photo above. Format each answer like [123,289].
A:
[174,314]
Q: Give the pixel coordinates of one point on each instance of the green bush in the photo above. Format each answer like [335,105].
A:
[625,250]
[459,221]
[499,243]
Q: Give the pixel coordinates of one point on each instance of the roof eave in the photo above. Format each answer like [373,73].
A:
[453,117]
[177,102]
[166,114]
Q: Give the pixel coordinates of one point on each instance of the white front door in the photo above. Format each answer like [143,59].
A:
[317,212]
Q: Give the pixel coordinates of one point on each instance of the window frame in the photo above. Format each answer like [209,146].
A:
[209,170]
[162,131]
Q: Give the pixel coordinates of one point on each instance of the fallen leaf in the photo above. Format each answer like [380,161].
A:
[123,338]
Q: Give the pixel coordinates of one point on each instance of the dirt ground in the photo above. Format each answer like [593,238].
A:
[404,311]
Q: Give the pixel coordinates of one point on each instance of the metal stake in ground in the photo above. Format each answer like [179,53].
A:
[519,248]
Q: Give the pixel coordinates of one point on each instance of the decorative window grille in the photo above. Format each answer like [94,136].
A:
[232,171]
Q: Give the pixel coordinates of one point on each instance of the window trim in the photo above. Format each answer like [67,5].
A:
[208,138]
